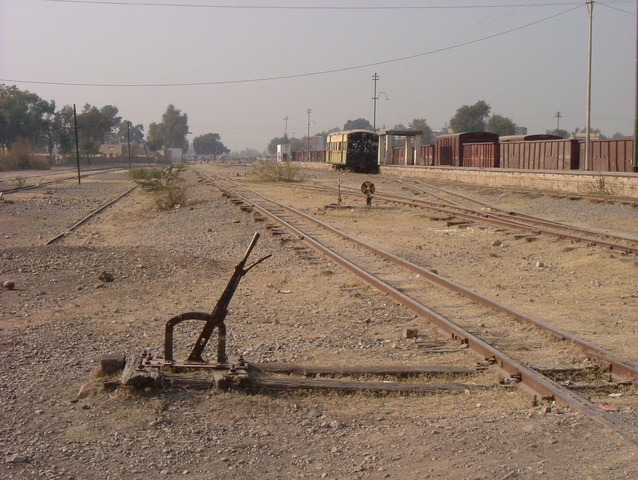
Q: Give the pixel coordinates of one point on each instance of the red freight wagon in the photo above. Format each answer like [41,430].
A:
[449,148]
[484,155]
[541,155]
[426,155]
[611,155]
[398,156]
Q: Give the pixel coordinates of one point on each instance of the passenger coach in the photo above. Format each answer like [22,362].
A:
[355,150]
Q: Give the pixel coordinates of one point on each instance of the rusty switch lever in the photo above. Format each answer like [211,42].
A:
[221,309]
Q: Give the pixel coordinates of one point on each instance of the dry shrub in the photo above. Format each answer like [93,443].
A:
[277,172]
[20,157]
[165,183]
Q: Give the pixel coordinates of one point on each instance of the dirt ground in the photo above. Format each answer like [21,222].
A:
[295,307]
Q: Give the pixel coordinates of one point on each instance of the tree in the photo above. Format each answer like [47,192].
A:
[136,132]
[209,144]
[561,133]
[64,130]
[272,145]
[618,135]
[171,132]
[93,124]
[501,125]
[358,124]
[24,115]
[592,131]
[155,139]
[470,118]
[422,125]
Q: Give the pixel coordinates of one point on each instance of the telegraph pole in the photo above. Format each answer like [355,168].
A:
[128,148]
[77,142]
[590,7]
[308,159]
[375,79]
[558,117]
[635,168]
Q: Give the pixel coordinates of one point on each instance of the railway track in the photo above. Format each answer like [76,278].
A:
[495,216]
[516,345]
[519,217]
[551,193]
[40,180]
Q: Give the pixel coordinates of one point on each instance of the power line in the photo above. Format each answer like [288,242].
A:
[297,75]
[312,7]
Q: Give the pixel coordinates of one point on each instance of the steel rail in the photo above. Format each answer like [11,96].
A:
[470,214]
[23,188]
[554,193]
[615,363]
[533,382]
[503,213]
[495,219]
[89,216]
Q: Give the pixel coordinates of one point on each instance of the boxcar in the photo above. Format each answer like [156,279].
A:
[541,155]
[611,155]
[485,155]
[449,148]
[426,155]
[355,150]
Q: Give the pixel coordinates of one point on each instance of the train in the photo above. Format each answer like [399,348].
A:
[357,150]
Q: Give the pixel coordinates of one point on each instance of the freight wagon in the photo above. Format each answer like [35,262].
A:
[540,155]
[449,149]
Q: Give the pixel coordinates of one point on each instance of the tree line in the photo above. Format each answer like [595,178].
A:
[468,118]
[29,123]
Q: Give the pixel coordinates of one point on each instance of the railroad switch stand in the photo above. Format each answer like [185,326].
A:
[368,190]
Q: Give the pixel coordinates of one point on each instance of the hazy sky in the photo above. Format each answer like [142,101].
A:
[238,68]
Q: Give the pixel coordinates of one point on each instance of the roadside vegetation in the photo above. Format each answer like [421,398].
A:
[166,184]
[277,172]
[20,158]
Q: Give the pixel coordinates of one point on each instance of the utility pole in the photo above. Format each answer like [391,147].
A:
[635,168]
[128,148]
[77,142]
[558,116]
[308,159]
[590,7]
[375,79]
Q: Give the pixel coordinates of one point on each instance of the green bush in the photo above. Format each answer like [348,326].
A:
[277,172]
[165,183]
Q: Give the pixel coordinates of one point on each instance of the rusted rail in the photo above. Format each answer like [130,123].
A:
[536,383]
[90,215]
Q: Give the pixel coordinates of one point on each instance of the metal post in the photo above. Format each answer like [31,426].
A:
[588,166]
[308,159]
[635,168]
[558,115]
[77,142]
[375,78]
[128,133]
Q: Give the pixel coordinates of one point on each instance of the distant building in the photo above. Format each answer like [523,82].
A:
[582,135]
[113,150]
[521,130]
[315,143]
